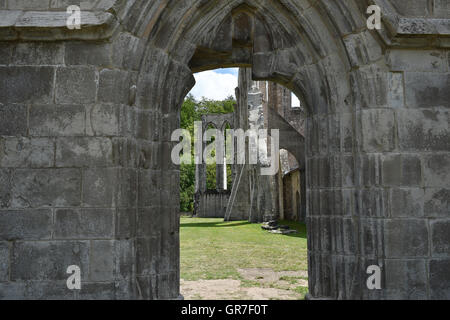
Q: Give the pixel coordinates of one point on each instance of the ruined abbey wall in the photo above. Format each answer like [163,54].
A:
[86,117]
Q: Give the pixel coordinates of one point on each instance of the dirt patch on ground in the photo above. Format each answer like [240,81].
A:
[257,284]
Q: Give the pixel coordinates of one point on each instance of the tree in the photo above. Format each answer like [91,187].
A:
[191,111]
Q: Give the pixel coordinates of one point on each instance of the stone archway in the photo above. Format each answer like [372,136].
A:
[377,186]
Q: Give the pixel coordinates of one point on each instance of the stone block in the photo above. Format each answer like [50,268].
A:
[5,51]
[100,187]
[439,279]
[416,8]
[127,52]
[13,120]
[28,5]
[149,187]
[371,235]
[437,170]
[147,256]
[4,262]
[125,152]
[30,53]
[424,130]
[83,53]
[440,234]
[57,120]
[401,170]
[84,152]
[102,260]
[75,85]
[109,188]
[407,202]
[441,9]
[396,93]
[29,224]
[97,291]
[406,238]
[46,187]
[368,167]
[417,60]
[149,221]
[373,202]
[114,86]
[48,260]
[362,48]
[84,224]
[378,130]
[124,258]
[437,202]
[427,90]
[26,84]
[371,88]
[5,188]
[406,279]
[25,152]
[125,223]
[105,119]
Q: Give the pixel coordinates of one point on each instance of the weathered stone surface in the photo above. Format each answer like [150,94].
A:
[376,139]
[398,170]
[82,53]
[38,54]
[25,152]
[26,224]
[71,81]
[437,170]
[57,120]
[406,238]
[420,61]
[437,202]
[48,260]
[114,86]
[84,224]
[406,279]
[13,120]
[105,120]
[5,188]
[427,90]
[46,188]
[377,130]
[4,261]
[440,233]
[424,130]
[109,187]
[102,260]
[26,84]
[407,203]
[83,152]
[439,279]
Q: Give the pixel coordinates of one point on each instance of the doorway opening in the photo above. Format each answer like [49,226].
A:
[237,259]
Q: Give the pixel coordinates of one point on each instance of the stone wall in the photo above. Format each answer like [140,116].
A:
[86,117]
[213,204]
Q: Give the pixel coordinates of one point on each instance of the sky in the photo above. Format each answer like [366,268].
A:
[215,84]
[219,84]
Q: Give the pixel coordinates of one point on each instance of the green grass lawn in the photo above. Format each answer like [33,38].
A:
[214,249]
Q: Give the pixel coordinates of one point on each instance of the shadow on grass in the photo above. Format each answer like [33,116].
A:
[300,227]
[218,224]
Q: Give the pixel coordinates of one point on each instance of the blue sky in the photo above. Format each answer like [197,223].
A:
[232,71]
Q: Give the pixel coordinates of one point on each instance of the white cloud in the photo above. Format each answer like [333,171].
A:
[214,85]
[295,101]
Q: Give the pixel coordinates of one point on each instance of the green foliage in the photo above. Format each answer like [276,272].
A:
[191,111]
